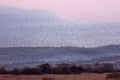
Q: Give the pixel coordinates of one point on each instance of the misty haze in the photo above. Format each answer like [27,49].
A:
[60,37]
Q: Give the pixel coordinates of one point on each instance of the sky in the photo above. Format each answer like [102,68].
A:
[87,23]
[81,11]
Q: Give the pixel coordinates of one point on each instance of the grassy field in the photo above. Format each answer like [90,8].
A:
[84,76]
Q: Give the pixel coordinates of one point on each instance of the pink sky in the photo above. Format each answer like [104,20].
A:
[76,10]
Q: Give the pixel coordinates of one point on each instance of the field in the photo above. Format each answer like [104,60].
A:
[84,76]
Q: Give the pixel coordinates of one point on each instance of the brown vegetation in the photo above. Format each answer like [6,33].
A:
[113,75]
[48,78]
[84,76]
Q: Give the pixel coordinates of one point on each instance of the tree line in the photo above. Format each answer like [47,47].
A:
[62,68]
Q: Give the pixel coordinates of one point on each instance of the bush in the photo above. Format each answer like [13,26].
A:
[3,70]
[44,68]
[15,71]
[31,71]
[48,78]
[113,75]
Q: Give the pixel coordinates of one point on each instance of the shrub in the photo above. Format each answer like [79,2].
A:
[31,71]
[48,78]
[44,68]
[3,70]
[113,75]
[15,71]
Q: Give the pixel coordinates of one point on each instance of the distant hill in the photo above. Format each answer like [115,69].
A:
[31,56]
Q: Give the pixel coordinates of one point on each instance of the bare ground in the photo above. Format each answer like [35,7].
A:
[84,76]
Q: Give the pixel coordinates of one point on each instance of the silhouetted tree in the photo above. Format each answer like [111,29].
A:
[80,69]
[16,71]
[44,68]
[3,70]
[74,70]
